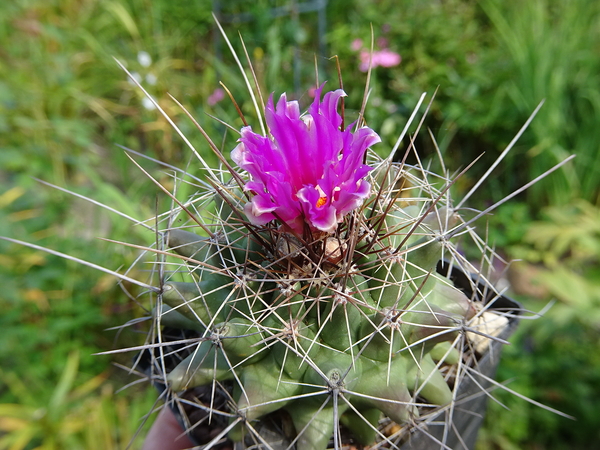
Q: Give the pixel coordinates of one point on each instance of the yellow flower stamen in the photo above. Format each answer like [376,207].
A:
[322,197]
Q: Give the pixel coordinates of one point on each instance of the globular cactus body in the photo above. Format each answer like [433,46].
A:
[293,334]
[327,316]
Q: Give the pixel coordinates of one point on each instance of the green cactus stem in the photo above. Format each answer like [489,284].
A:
[314,299]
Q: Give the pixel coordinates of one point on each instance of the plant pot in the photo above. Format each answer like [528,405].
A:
[472,396]
[431,430]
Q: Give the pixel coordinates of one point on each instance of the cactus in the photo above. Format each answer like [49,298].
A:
[311,289]
[306,299]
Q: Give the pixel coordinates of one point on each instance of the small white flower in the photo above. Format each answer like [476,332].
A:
[136,76]
[144,59]
[147,103]
[151,79]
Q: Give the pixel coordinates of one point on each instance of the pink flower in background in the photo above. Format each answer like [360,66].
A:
[214,98]
[356,45]
[383,58]
[307,171]
[382,42]
[380,58]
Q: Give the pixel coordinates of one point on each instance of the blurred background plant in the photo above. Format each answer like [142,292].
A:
[65,106]
[70,414]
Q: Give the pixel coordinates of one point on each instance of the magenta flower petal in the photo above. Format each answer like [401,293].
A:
[308,171]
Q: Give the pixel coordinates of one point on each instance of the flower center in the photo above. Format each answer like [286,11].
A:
[323,197]
[321,201]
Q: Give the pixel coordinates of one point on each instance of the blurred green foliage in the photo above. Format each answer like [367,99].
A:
[554,359]
[70,415]
[557,365]
[492,62]
[65,103]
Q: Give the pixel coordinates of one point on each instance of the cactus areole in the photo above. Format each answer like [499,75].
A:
[315,300]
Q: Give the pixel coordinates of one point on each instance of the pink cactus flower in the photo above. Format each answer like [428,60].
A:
[307,173]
